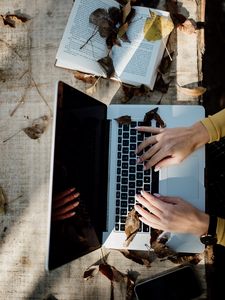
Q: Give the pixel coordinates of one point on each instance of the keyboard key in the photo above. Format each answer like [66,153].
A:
[123,203]
[124,180]
[124,165]
[132,169]
[124,188]
[132,177]
[126,127]
[132,162]
[123,196]
[124,172]
[125,150]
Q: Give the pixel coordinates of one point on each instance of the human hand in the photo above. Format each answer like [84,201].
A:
[63,204]
[171,145]
[171,214]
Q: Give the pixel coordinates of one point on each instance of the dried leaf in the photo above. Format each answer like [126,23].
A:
[180,258]
[107,64]
[124,120]
[91,90]
[189,26]
[87,78]
[194,92]
[157,27]
[111,272]
[91,272]
[172,7]
[38,127]
[153,115]
[140,257]
[131,91]
[165,63]
[3,202]
[132,225]
[161,85]
[12,19]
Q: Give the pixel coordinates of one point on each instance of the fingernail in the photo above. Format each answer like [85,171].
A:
[156,169]
[156,195]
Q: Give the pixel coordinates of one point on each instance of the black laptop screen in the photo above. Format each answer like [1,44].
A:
[80,161]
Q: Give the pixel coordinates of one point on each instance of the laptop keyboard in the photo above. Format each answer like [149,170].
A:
[131,177]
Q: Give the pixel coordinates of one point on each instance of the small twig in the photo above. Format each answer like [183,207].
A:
[42,97]
[167,50]
[6,140]
[94,33]
[21,101]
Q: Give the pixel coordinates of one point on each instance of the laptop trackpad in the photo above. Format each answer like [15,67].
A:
[183,180]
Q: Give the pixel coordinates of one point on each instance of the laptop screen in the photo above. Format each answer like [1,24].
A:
[80,161]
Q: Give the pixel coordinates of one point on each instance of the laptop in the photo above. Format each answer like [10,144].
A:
[93,150]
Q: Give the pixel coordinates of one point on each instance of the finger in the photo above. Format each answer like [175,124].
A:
[150,129]
[150,208]
[67,208]
[149,153]
[149,141]
[151,223]
[64,193]
[67,199]
[64,216]
[167,199]
[156,202]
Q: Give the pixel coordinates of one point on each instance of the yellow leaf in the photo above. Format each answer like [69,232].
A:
[194,92]
[157,27]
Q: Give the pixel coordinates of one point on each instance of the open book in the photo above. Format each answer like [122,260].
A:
[135,62]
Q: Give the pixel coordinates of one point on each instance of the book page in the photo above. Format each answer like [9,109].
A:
[136,62]
[74,52]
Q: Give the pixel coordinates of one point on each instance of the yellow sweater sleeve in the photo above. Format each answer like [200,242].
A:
[215,125]
[220,231]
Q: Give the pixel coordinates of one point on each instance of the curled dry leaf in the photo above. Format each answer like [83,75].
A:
[132,225]
[153,115]
[3,202]
[180,258]
[157,27]
[194,92]
[12,19]
[189,26]
[140,257]
[107,65]
[124,120]
[87,78]
[38,127]
[91,272]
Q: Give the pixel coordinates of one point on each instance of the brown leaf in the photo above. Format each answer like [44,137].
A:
[107,65]
[37,128]
[132,225]
[131,91]
[189,26]
[124,120]
[87,78]
[153,115]
[91,272]
[111,272]
[194,92]
[180,258]
[172,7]
[3,202]
[161,85]
[140,257]
[165,63]
[12,19]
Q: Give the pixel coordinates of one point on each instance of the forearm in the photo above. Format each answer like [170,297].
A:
[199,135]
[215,125]
[220,231]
